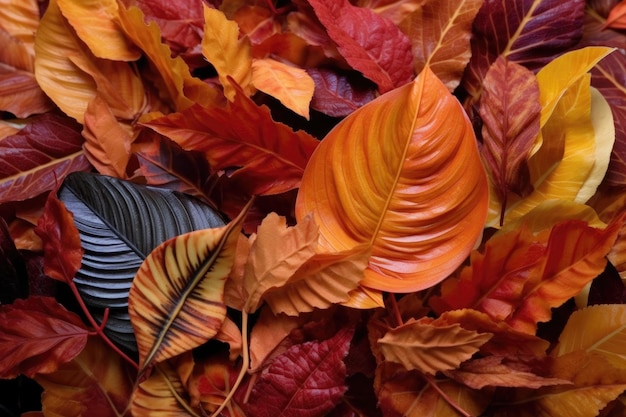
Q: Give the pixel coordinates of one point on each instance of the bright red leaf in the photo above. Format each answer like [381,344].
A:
[37,335]
[38,157]
[307,380]
[370,43]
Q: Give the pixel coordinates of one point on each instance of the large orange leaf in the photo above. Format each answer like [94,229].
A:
[230,56]
[430,347]
[95,24]
[600,329]
[402,176]
[96,383]
[176,302]
[440,33]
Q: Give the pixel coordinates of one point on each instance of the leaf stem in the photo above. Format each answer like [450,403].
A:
[395,310]
[99,327]
[430,380]
[244,366]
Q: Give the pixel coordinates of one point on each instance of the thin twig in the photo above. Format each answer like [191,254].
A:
[447,399]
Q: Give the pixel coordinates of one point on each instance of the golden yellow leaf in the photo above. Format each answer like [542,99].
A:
[430,348]
[401,175]
[230,55]
[95,24]
[292,86]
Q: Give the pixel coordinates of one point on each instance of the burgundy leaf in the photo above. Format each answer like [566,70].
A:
[306,381]
[13,275]
[370,43]
[511,113]
[37,335]
[528,32]
[609,77]
[37,158]
[338,94]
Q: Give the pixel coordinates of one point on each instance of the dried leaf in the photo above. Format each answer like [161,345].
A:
[337,94]
[95,24]
[271,155]
[371,44]
[617,17]
[292,86]
[511,125]
[176,302]
[20,20]
[598,329]
[39,156]
[307,380]
[382,178]
[95,383]
[230,55]
[37,335]
[428,347]
[524,32]
[440,32]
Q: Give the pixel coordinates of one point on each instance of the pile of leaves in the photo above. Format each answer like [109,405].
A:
[313,208]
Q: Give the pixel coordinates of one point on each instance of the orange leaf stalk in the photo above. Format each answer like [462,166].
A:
[447,399]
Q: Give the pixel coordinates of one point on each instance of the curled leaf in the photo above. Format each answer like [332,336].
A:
[403,177]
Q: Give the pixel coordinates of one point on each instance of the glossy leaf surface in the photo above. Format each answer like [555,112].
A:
[383,177]
[176,301]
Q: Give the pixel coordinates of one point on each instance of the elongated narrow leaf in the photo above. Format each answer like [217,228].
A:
[427,347]
[37,335]
[440,33]
[120,223]
[600,329]
[95,383]
[176,302]
[384,58]
[39,156]
[401,175]
[617,17]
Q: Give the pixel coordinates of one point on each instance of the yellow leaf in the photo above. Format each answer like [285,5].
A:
[70,88]
[430,348]
[598,329]
[292,86]
[95,24]
[231,56]
[401,175]
[572,152]
[176,302]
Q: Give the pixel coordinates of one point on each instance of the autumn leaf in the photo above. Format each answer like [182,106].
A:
[510,127]
[425,346]
[292,86]
[37,335]
[39,156]
[176,302]
[230,55]
[95,382]
[395,196]
[21,22]
[271,155]
[617,17]
[385,58]
[600,329]
[307,380]
[338,94]
[440,33]
[95,23]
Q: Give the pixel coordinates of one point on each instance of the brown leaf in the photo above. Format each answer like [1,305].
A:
[428,347]
[440,32]
[510,110]
[37,335]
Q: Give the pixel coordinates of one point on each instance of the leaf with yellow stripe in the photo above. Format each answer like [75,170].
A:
[176,302]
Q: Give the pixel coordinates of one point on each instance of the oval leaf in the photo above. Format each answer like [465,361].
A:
[383,178]
[176,302]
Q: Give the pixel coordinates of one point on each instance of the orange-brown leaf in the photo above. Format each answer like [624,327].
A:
[617,16]
[440,32]
[510,110]
[430,347]
[383,178]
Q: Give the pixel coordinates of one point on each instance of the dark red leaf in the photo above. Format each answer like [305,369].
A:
[306,381]
[370,43]
[37,335]
[38,157]
[13,274]
[338,94]
[61,241]
[528,32]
